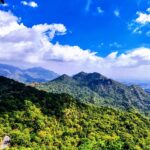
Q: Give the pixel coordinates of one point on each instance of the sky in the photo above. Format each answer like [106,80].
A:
[111,37]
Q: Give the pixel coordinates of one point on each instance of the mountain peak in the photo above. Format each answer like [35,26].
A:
[98,89]
[63,77]
[35,74]
[88,76]
[96,75]
[82,73]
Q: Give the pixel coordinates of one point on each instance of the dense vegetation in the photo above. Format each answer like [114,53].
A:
[66,84]
[39,120]
[98,89]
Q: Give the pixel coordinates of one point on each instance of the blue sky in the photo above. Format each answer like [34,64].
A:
[106,28]
[88,28]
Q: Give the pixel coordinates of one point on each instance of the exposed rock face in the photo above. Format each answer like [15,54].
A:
[5,143]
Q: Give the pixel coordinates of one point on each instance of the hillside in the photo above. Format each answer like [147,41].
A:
[100,90]
[66,84]
[36,74]
[38,120]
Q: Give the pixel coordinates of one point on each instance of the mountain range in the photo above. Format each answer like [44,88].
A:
[87,87]
[36,74]
[143,84]
[100,90]
[36,119]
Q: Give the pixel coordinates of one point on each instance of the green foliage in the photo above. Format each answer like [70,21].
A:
[66,84]
[39,120]
[99,90]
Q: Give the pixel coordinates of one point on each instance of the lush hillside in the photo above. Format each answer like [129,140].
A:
[66,84]
[36,74]
[38,120]
[99,90]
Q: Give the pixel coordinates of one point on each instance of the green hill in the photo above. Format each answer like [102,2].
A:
[38,120]
[100,90]
[66,84]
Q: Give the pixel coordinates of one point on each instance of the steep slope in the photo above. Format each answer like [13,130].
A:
[117,93]
[27,76]
[66,84]
[37,120]
[100,90]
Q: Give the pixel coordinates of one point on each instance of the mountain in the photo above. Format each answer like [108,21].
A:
[143,84]
[36,74]
[41,74]
[100,90]
[66,84]
[35,119]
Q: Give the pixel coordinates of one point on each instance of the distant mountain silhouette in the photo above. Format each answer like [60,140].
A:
[36,74]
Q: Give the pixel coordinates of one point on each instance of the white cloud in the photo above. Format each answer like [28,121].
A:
[99,10]
[117,13]
[5,5]
[143,18]
[137,30]
[88,5]
[139,25]
[31,4]
[112,56]
[51,29]
[148,10]
[31,46]
[134,58]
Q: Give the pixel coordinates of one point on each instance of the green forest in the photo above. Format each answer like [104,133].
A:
[38,120]
[99,90]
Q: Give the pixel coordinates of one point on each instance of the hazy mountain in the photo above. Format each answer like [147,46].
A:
[29,75]
[143,84]
[98,89]
[38,120]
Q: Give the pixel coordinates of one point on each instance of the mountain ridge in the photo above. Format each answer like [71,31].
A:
[35,119]
[35,74]
[101,91]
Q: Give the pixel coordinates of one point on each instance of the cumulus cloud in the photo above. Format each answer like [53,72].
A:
[30,4]
[143,18]
[32,46]
[140,23]
[134,58]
